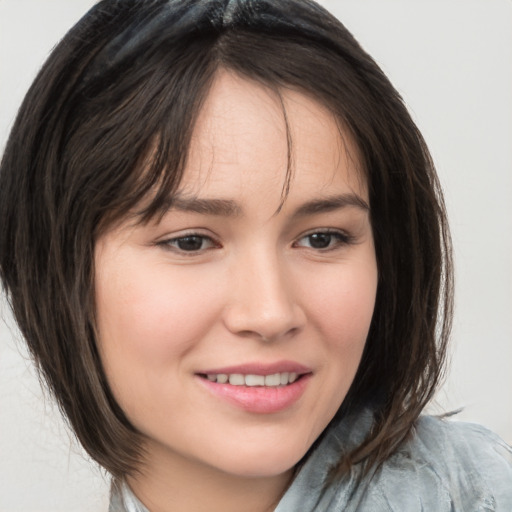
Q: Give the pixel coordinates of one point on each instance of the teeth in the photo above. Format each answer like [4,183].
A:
[254,380]
[273,380]
[237,379]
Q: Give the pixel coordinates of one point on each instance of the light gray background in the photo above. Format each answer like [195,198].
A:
[452,62]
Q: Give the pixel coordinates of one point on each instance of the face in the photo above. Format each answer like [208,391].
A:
[231,329]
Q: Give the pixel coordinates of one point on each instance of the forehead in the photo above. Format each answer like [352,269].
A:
[247,137]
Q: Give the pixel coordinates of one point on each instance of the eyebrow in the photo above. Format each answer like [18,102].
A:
[229,208]
[220,207]
[330,204]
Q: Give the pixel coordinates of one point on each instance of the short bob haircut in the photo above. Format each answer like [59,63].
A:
[127,82]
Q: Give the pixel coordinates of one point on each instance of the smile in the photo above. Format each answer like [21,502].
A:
[239,379]
[258,388]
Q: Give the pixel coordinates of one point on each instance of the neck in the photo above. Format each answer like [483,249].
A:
[180,484]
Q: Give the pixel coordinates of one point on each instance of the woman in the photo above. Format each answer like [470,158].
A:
[226,247]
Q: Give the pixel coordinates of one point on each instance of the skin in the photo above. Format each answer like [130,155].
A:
[257,289]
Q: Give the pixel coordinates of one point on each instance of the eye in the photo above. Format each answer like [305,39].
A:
[189,243]
[324,240]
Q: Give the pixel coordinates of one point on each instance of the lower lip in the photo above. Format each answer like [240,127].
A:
[259,399]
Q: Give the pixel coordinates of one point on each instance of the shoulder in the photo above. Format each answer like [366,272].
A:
[461,466]
[445,466]
[458,448]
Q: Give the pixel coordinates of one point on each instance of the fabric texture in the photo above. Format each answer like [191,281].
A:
[446,466]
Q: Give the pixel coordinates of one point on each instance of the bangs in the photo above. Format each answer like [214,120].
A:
[130,140]
[137,99]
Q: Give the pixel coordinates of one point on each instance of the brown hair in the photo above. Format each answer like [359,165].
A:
[133,74]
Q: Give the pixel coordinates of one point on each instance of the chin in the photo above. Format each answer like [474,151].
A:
[261,463]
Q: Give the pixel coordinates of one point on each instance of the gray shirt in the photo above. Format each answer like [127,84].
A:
[446,466]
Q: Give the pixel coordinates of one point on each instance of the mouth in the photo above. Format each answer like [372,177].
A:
[256,388]
[273,380]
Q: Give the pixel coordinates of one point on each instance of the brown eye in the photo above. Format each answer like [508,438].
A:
[192,243]
[324,240]
[320,240]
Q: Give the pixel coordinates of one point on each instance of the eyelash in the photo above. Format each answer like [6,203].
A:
[172,244]
[341,239]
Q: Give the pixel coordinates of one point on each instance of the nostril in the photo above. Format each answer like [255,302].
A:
[267,336]
[265,317]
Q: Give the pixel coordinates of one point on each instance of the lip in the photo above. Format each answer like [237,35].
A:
[256,399]
[260,368]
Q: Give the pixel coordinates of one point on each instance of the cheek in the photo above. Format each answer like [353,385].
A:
[150,316]
[340,301]
[341,304]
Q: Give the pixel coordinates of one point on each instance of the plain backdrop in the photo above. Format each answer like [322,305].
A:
[452,62]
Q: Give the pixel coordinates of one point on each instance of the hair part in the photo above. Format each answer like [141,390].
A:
[107,124]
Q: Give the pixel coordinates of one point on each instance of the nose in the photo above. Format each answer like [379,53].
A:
[263,302]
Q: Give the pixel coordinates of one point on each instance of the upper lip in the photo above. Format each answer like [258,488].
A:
[259,368]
